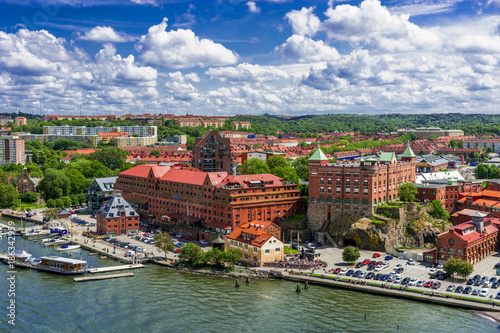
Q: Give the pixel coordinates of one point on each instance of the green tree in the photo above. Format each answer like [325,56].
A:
[77,181]
[302,168]
[350,254]
[461,267]
[155,152]
[74,200]
[51,213]
[55,184]
[438,211]
[163,242]
[29,197]
[50,203]
[67,201]
[214,257]
[59,203]
[407,192]
[254,166]
[9,196]
[90,168]
[190,253]
[111,157]
[231,256]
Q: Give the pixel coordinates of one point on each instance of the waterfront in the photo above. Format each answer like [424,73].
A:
[157,299]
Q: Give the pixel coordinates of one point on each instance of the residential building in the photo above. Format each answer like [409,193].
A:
[188,122]
[470,241]
[484,200]
[4,119]
[355,187]
[71,117]
[428,132]
[20,121]
[83,130]
[99,192]
[106,137]
[135,141]
[117,217]
[212,153]
[433,163]
[209,122]
[83,139]
[12,150]
[493,143]
[258,241]
[25,183]
[240,124]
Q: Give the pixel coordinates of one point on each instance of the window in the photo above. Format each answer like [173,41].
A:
[338,174]
[268,251]
[277,250]
[254,249]
[246,247]
[451,250]
[321,181]
[322,190]
[460,251]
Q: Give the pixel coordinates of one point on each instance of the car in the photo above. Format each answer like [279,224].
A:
[450,287]
[296,247]
[398,266]
[362,275]
[370,267]
[487,285]
[376,255]
[390,278]
[442,277]
[175,241]
[370,275]
[388,258]
[432,265]
[397,280]
[204,242]
[428,284]
[484,278]
[399,270]
[459,289]
[140,249]
[432,271]
[477,283]
[366,261]
[188,238]
[177,250]
[493,279]
[349,272]
[410,262]
[359,265]
[377,276]
[384,277]
[343,271]
[477,277]
[436,285]
[484,292]
[495,285]
[337,270]
[179,236]
[356,274]
[467,290]
[405,281]
[311,246]
[439,266]
[379,268]
[475,292]
[498,295]
[412,282]
[307,240]
[470,282]
[497,265]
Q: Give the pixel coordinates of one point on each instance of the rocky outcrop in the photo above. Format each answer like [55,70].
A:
[411,228]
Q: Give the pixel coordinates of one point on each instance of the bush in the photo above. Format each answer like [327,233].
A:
[30,197]
[50,203]
[386,213]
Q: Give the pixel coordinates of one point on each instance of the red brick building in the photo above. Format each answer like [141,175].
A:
[470,241]
[25,183]
[355,187]
[117,217]
[212,153]
[204,200]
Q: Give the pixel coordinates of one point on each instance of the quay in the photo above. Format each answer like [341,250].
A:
[114,268]
[102,277]
[376,288]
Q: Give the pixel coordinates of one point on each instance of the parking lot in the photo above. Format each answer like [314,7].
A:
[419,271]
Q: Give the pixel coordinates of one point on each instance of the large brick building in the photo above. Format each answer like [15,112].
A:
[117,217]
[470,241]
[212,153]
[355,187]
[205,200]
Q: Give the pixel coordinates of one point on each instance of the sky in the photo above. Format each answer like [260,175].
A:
[227,57]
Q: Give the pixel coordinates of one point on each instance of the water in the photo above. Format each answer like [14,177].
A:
[159,300]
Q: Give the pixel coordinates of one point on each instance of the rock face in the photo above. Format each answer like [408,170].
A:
[405,228]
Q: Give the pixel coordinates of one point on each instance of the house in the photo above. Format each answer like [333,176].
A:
[117,217]
[99,192]
[258,241]
[25,183]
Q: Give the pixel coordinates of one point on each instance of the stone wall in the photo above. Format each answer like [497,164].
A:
[317,214]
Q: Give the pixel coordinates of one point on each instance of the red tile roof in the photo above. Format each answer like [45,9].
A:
[143,171]
[255,230]
[194,176]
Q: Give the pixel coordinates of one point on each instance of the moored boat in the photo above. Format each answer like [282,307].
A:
[68,247]
[52,264]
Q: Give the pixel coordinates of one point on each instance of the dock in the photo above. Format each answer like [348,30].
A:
[114,268]
[102,277]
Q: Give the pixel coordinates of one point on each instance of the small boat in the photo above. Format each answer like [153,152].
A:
[52,264]
[68,247]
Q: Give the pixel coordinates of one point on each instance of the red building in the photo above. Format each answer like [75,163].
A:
[117,217]
[25,183]
[204,200]
[470,241]
[355,187]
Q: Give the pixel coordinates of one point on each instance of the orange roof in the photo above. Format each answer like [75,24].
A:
[193,177]
[255,230]
[85,151]
[490,193]
[143,171]
[485,202]
[113,134]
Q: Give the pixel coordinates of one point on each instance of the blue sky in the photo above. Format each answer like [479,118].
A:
[224,57]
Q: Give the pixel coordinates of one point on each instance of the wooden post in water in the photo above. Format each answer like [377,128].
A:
[247,280]
[237,285]
[298,289]
[306,286]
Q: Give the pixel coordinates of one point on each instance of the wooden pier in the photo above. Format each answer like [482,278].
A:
[114,268]
[103,277]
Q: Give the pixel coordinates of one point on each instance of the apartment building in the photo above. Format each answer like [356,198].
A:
[212,153]
[117,217]
[12,150]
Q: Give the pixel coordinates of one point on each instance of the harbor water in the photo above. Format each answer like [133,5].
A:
[161,300]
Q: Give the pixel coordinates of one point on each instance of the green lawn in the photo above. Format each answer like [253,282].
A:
[376,220]
[288,250]
[296,218]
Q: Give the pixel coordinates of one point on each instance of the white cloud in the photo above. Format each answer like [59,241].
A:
[186,20]
[104,35]
[372,25]
[304,22]
[307,50]
[252,7]
[478,44]
[145,2]
[493,2]
[247,73]
[424,7]
[181,49]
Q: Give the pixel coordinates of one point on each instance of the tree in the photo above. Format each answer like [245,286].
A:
[190,253]
[458,266]
[55,184]
[51,214]
[254,166]
[67,201]
[407,192]
[111,157]
[9,196]
[29,197]
[77,181]
[438,210]
[350,254]
[302,168]
[214,257]
[154,152]
[231,256]
[163,242]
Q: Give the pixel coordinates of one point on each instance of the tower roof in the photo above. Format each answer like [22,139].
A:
[408,152]
[318,155]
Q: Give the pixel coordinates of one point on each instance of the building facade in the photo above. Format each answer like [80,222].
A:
[25,183]
[20,121]
[12,150]
[117,217]
[359,187]
[100,191]
[212,153]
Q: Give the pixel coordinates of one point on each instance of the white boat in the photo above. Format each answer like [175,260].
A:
[68,247]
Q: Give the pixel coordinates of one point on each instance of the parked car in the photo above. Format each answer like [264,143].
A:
[376,255]
[370,275]
[436,285]
[420,283]
[450,287]
[179,236]
[495,285]
[388,257]
[349,272]
[470,282]
[204,242]
[177,250]
[484,292]
[359,265]
[356,274]
[337,270]
[366,261]
[377,276]
[188,238]
[459,289]
[410,262]
[362,275]
[493,279]
[311,246]
[398,266]
[475,292]
[405,281]
[428,284]
[467,290]
[412,282]
[343,271]
[497,265]
[498,295]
